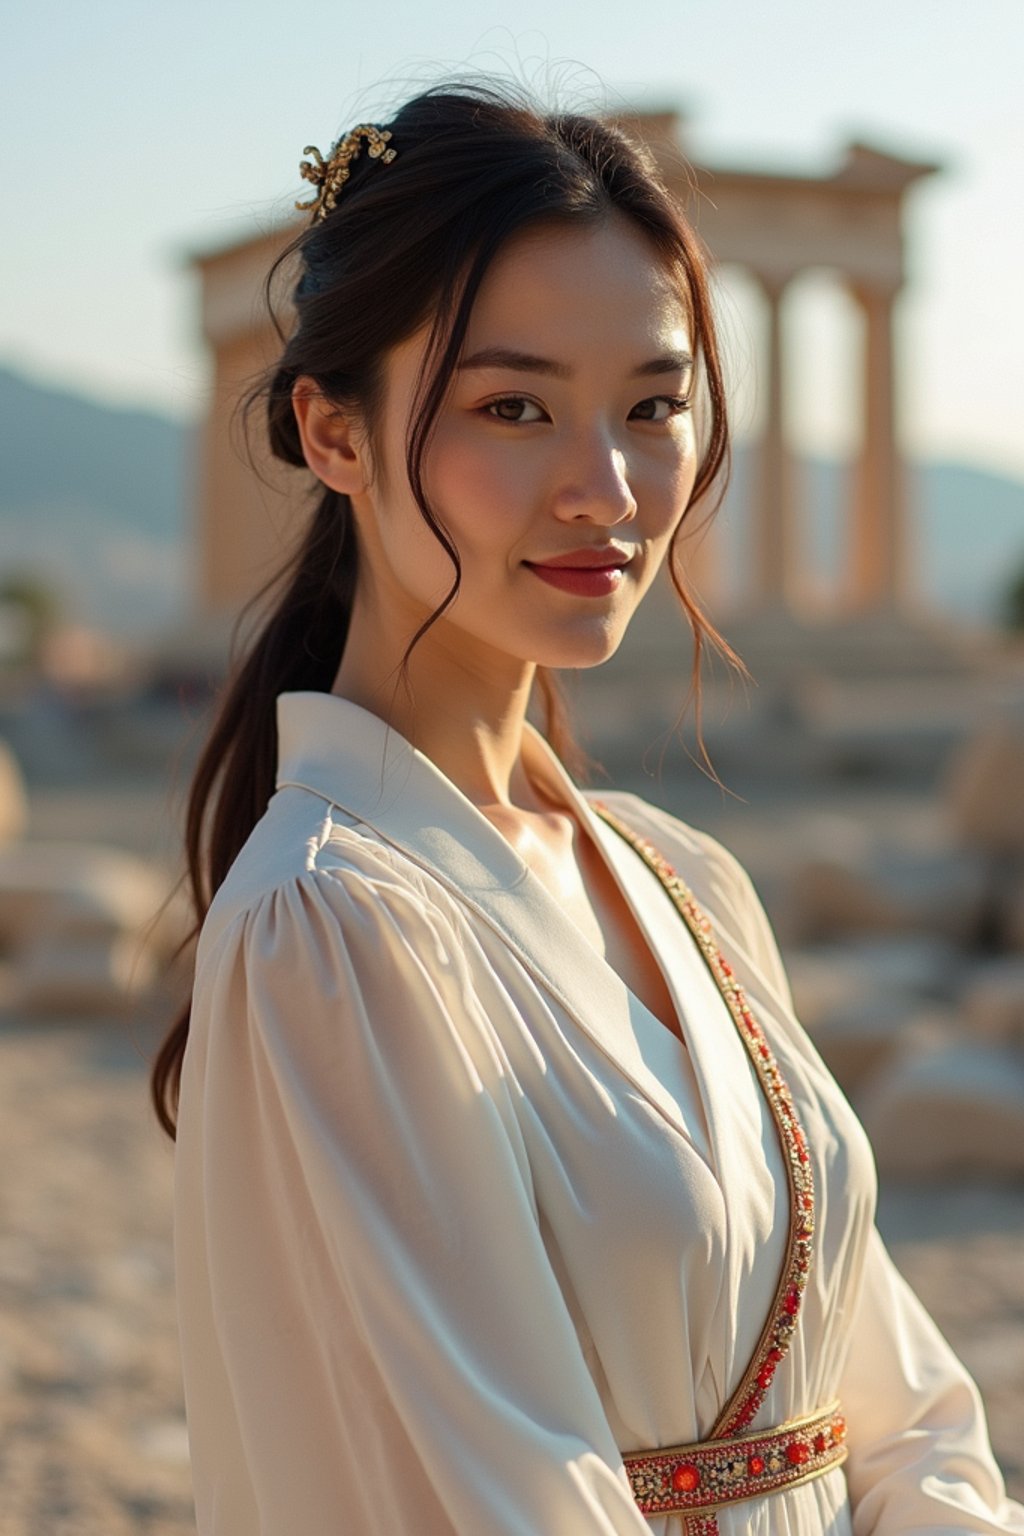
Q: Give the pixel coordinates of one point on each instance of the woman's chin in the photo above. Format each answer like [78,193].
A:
[583,651]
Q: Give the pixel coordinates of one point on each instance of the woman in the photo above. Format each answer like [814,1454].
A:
[511,1197]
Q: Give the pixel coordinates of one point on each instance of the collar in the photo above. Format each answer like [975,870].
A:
[351,758]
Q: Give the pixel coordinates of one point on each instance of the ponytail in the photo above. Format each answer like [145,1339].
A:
[298,647]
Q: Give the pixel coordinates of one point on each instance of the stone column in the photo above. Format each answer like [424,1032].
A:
[875,568]
[774,509]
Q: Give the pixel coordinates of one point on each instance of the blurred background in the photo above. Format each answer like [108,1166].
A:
[856,174]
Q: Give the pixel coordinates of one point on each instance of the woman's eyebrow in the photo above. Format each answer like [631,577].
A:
[521,362]
[527,362]
[669,362]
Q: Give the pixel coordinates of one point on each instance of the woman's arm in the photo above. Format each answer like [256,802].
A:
[395,1345]
[920,1458]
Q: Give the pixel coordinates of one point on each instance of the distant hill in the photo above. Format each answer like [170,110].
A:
[94,501]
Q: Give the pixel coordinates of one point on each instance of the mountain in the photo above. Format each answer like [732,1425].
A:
[94,502]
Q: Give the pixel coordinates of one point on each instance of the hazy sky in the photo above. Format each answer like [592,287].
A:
[140,130]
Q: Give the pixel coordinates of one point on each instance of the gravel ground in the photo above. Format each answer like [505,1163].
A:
[93,1440]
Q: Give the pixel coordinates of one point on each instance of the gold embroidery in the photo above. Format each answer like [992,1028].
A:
[781,1322]
[696,1480]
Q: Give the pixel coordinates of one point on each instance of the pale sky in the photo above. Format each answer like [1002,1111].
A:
[137,131]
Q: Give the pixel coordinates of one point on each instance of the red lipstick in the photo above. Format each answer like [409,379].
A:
[586,572]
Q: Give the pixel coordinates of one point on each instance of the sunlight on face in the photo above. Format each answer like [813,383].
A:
[562,460]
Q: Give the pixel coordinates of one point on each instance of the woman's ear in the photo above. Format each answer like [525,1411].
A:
[333,440]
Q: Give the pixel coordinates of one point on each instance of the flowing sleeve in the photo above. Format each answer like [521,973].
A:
[920,1458]
[396,1351]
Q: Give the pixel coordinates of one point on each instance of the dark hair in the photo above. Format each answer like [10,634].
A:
[409,244]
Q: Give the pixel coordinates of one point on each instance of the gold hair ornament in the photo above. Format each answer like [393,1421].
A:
[330,175]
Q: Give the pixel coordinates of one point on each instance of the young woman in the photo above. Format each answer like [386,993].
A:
[511,1198]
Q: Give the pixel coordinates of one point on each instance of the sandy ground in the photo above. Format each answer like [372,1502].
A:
[93,1440]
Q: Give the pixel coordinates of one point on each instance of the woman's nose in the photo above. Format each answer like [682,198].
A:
[596,487]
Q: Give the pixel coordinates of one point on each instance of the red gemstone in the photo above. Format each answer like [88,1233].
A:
[838,1429]
[685,1477]
[820,1443]
[797,1453]
[792,1302]
[755,1466]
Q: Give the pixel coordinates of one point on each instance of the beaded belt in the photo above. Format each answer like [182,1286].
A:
[698,1479]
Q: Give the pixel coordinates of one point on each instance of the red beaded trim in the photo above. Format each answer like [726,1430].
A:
[778,1330]
[696,1480]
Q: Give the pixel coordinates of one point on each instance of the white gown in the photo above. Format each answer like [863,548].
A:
[458,1221]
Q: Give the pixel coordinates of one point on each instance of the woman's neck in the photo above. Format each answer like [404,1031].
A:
[461,707]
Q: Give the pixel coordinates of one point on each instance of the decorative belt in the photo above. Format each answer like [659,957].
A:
[698,1479]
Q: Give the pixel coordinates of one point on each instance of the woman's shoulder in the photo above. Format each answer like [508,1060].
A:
[308,868]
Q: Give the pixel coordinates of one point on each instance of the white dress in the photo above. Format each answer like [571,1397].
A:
[458,1221]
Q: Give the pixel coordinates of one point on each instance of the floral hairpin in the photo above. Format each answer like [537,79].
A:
[330,175]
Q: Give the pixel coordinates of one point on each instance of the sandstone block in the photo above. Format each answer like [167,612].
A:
[983,791]
[993,1001]
[83,925]
[954,1112]
[859,1041]
[828,900]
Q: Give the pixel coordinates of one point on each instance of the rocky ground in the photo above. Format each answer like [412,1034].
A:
[93,1440]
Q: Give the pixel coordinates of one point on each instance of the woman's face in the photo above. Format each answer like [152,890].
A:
[562,460]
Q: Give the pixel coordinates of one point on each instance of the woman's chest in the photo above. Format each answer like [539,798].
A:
[633,1137]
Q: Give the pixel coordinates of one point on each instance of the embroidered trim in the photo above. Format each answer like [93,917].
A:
[697,1480]
[780,1326]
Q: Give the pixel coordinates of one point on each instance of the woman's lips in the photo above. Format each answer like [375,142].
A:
[583,580]
[588,573]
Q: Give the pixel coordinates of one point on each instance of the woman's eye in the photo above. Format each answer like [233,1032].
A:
[514,408]
[661,407]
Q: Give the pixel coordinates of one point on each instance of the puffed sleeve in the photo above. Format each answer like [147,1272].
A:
[396,1353]
[920,1458]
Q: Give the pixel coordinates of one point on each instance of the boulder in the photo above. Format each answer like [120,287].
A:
[86,928]
[829,900]
[993,1001]
[957,1111]
[860,1040]
[827,977]
[942,891]
[948,890]
[983,791]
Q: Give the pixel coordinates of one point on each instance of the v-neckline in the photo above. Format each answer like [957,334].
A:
[610,909]
[375,778]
